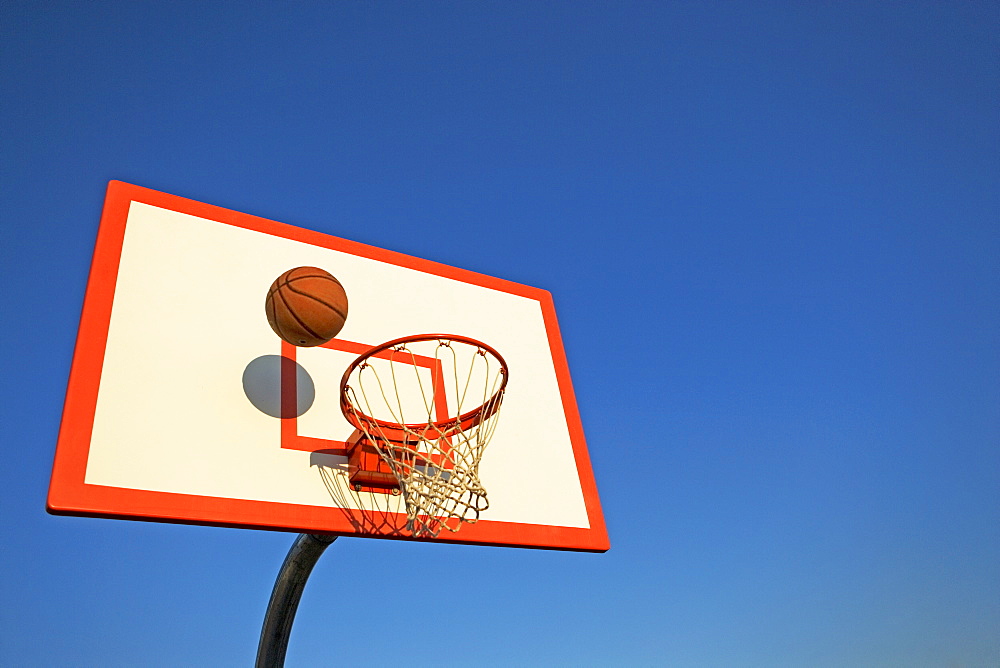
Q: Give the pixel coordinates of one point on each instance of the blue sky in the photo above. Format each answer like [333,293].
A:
[772,232]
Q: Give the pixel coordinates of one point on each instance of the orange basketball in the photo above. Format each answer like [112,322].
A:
[306,306]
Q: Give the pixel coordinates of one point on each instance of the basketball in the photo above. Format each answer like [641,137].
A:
[306,306]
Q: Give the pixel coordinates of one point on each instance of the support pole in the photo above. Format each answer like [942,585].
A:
[285,598]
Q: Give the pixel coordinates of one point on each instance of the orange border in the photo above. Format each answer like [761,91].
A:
[70,495]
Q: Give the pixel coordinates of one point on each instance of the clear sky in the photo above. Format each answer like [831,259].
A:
[772,231]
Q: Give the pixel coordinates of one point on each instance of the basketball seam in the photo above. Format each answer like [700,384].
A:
[269,310]
[327,276]
[277,321]
[292,313]
[288,284]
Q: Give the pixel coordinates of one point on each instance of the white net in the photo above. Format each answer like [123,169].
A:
[429,405]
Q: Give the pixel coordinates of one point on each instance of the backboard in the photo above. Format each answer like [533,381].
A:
[184,406]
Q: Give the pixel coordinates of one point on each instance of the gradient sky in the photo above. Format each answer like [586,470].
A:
[772,232]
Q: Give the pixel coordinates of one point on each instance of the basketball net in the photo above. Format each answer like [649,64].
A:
[429,406]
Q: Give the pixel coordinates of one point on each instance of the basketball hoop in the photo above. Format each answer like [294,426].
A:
[409,400]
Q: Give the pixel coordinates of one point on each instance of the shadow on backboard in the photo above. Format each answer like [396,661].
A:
[368,512]
[262,386]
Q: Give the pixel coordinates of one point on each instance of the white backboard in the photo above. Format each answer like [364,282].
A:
[173,408]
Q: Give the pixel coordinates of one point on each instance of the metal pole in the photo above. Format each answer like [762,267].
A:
[285,598]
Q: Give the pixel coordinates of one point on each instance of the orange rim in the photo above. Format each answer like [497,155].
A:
[464,421]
